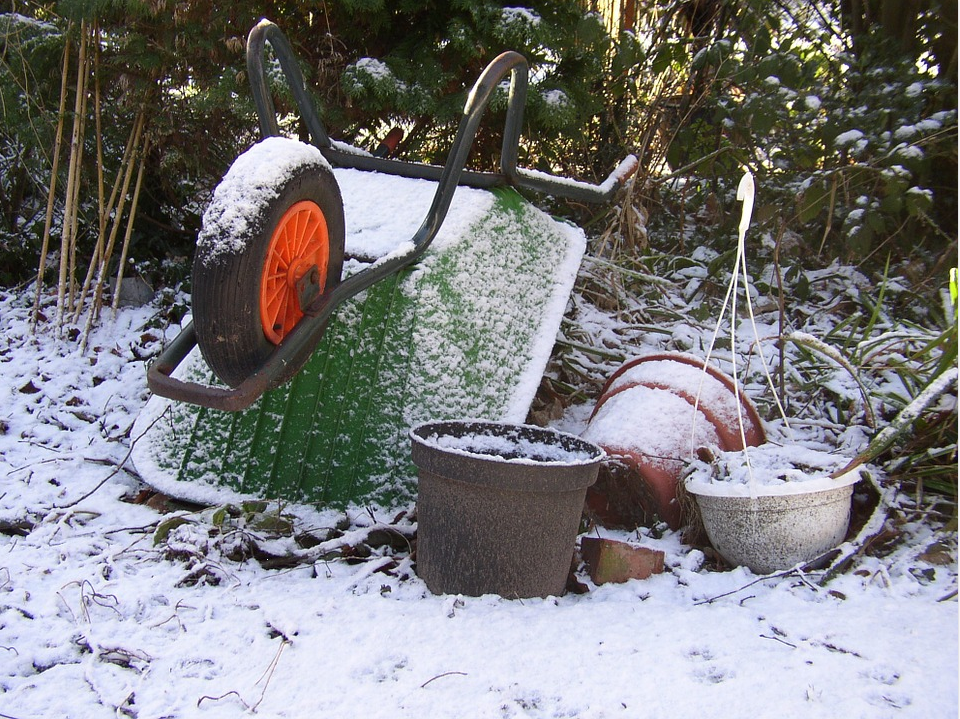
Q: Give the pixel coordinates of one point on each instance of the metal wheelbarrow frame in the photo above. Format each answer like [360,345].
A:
[317,309]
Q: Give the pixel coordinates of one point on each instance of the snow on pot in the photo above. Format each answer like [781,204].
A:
[498,506]
[652,414]
[770,508]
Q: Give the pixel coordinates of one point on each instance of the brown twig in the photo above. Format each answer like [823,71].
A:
[268,673]
[778,639]
[224,696]
[440,676]
[776,575]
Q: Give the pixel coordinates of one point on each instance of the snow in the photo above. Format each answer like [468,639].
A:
[98,620]
[253,180]
[401,205]
[698,386]
[773,469]
[556,99]
[513,444]
[854,139]
[348,148]
[908,132]
[908,152]
[519,16]
[620,173]
[14,18]
[654,421]
[376,69]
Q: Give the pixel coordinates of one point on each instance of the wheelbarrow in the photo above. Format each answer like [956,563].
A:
[302,371]
[267,271]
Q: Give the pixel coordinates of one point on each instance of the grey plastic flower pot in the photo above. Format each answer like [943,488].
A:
[771,532]
[498,506]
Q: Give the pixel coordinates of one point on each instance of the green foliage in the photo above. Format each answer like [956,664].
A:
[30,53]
[181,65]
[852,137]
[850,133]
[414,72]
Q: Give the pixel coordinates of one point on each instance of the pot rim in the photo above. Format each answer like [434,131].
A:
[436,427]
[698,363]
[812,486]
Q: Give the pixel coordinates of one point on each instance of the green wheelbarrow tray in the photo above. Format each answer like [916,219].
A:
[466,331]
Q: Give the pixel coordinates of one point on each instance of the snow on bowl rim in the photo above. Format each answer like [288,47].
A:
[821,483]
[771,469]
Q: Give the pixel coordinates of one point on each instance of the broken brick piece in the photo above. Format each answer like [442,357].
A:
[612,561]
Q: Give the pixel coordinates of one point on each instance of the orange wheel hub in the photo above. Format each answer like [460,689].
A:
[299,243]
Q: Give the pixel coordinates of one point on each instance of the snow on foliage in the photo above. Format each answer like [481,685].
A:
[853,139]
[556,99]
[512,16]
[376,69]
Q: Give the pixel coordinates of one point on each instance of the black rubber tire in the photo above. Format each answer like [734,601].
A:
[226,285]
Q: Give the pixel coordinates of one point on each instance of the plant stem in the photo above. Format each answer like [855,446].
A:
[907,416]
[802,338]
[73,179]
[134,203]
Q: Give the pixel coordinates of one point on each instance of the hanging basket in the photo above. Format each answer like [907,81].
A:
[774,528]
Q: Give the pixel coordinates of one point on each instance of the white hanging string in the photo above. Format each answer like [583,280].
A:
[746,193]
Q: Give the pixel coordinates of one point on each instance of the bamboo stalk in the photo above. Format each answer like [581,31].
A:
[72,172]
[105,214]
[99,129]
[115,227]
[104,210]
[75,298]
[134,203]
[52,192]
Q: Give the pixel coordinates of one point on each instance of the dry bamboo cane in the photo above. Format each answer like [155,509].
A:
[134,203]
[115,227]
[98,125]
[52,192]
[76,300]
[105,213]
[104,210]
[72,180]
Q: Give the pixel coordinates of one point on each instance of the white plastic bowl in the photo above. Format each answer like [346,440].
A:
[777,528]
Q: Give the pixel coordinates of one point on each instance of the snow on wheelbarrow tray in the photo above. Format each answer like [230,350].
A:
[466,332]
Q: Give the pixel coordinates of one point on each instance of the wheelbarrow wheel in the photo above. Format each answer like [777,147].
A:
[274,228]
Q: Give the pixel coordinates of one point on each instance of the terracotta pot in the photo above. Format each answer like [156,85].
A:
[685,375]
[652,448]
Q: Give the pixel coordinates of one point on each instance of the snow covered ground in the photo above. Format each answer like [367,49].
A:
[98,621]
[115,603]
